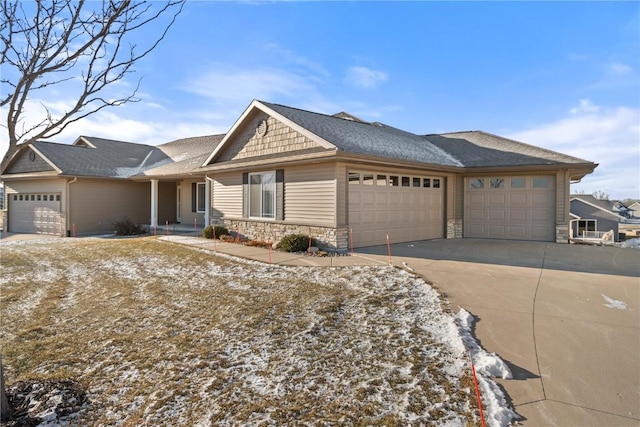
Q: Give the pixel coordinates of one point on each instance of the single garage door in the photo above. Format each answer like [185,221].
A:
[34,213]
[404,207]
[518,208]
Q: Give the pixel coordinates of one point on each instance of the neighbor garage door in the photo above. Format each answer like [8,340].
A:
[404,207]
[519,207]
[34,213]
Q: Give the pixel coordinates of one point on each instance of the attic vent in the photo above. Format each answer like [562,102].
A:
[377,124]
[262,128]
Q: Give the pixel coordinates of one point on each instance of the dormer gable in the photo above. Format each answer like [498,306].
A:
[83,142]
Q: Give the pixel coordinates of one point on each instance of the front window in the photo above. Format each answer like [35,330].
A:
[262,195]
[200,197]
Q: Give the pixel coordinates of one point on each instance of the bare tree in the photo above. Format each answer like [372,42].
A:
[82,46]
[600,195]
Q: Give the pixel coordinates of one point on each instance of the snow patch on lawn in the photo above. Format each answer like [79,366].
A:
[612,303]
[379,340]
[496,407]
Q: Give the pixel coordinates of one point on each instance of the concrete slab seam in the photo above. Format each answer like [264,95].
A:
[533,320]
[577,406]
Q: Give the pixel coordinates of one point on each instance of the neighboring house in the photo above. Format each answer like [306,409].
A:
[635,208]
[591,217]
[281,170]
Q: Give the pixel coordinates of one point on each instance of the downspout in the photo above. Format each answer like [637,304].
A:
[67,206]
[207,199]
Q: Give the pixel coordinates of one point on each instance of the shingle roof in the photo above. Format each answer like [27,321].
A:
[481,149]
[606,205]
[109,158]
[188,154]
[367,139]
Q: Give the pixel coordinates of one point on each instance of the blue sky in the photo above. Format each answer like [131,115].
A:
[561,75]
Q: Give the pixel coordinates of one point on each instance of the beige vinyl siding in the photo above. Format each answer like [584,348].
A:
[458,196]
[342,198]
[310,194]
[95,204]
[562,198]
[188,216]
[227,196]
[54,185]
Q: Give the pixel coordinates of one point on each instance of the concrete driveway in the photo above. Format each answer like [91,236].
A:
[566,318]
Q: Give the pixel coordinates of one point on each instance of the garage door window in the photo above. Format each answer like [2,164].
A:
[354,178]
[496,183]
[518,182]
[367,179]
[381,181]
[476,183]
[393,181]
[405,181]
[436,183]
[540,182]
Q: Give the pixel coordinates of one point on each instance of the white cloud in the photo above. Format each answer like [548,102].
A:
[585,106]
[242,84]
[364,77]
[618,68]
[607,136]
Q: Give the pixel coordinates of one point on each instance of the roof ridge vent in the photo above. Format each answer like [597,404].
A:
[347,116]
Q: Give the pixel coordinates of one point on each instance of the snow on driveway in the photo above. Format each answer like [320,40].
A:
[189,338]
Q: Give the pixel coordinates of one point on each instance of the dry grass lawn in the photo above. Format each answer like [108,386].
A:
[161,334]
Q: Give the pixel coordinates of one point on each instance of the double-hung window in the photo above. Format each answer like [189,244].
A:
[262,195]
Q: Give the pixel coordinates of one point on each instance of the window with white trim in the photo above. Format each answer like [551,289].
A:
[262,195]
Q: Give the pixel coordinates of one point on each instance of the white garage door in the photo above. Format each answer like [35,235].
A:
[34,213]
[404,207]
[519,208]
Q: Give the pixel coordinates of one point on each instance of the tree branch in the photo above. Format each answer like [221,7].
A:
[77,45]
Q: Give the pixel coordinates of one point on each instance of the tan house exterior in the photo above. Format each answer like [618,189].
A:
[345,182]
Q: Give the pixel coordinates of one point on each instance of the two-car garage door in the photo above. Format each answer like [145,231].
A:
[402,206]
[519,207]
[34,213]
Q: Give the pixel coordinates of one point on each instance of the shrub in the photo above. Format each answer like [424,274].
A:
[126,227]
[220,231]
[295,243]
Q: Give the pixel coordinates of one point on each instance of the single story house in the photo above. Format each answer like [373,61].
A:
[590,217]
[281,170]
